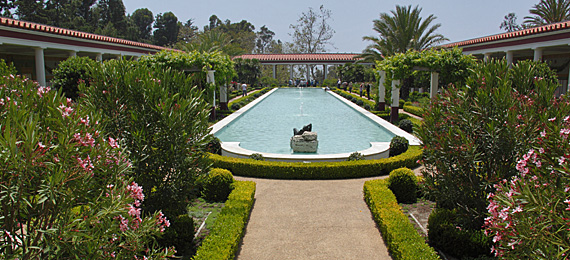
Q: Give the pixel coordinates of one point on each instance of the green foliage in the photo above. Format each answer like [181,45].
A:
[163,121]
[398,145]
[400,236]
[317,170]
[418,111]
[363,102]
[248,70]
[445,235]
[235,107]
[214,146]
[356,156]
[257,156]
[225,236]
[406,125]
[352,72]
[63,186]
[417,96]
[180,235]
[404,185]
[474,134]
[242,101]
[167,27]
[7,69]
[217,185]
[69,73]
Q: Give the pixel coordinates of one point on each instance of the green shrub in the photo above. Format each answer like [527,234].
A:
[359,102]
[214,146]
[446,235]
[257,156]
[180,235]
[70,72]
[398,145]
[401,238]
[163,121]
[235,106]
[317,170]
[401,103]
[225,236]
[356,156]
[367,107]
[406,125]
[404,185]
[217,185]
[353,99]
[7,69]
[418,111]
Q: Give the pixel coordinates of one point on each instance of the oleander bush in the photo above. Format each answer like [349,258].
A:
[401,238]
[64,186]
[217,185]
[445,235]
[398,145]
[404,184]
[69,73]
[180,235]
[406,125]
[7,69]
[317,170]
[214,146]
[228,230]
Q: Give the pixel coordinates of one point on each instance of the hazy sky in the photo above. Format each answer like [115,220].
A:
[352,19]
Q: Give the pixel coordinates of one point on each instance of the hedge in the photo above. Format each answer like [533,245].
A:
[229,227]
[317,170]
[401,238]
[248,98]
[418,111]
[349,96]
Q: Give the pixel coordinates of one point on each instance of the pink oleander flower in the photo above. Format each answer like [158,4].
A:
[552,119]
[113,143]
[43,90]
[123,224]
[136,191]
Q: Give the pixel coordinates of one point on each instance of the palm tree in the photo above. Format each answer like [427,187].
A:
[547,12]
[401,30]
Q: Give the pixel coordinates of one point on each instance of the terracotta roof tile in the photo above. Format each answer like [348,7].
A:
[77,34]
[333,57]
[511,35]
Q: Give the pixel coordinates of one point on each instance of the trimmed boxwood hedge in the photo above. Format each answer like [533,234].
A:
[418,111]
[317,170]
[356,98]
[400,236]
[228,230]
[245,100]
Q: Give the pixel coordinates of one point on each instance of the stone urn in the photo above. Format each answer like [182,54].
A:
[305,143]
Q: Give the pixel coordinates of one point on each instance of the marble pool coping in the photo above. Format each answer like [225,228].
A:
[377,150]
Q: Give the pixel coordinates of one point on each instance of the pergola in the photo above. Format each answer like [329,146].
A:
[306,59]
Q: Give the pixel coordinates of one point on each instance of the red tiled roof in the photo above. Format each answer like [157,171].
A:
[511,35]
[317,57]
[71,33]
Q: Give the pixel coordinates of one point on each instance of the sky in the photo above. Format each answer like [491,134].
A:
[351,19]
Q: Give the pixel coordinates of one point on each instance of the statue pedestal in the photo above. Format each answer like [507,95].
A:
[305,143]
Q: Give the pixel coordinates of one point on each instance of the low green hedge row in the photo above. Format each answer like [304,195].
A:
[317,170]
[227,232]
[248,98]
[371,104]
[400,236]
[418,111]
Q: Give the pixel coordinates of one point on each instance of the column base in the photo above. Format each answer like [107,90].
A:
[224,106]
[394,115]
[213,113]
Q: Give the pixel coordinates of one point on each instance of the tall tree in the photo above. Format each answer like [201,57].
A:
[510,23]
[312,33]
[214,22]
[547,12]
[31,10]
[188,31]
[111,18]
[264,39]
[6,7]
[167,28]
[401,30]
[142,19]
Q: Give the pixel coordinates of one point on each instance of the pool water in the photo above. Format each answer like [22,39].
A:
[268,126]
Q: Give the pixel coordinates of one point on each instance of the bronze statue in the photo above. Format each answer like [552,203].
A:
[306,128]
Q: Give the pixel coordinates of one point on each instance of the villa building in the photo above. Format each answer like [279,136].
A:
[36,49]
[549,43]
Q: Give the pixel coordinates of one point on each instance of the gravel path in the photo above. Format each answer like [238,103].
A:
[327,219]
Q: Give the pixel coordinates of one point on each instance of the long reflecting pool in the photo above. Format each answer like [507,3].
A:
[268,126]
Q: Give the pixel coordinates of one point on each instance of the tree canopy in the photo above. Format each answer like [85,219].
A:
[312,33]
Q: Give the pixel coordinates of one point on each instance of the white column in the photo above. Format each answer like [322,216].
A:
[291,72]
[274,71]
[307,66]
[382,90]
[487,57]
[538,54]
[72,54]
[324,71]
[99,57]
[395,101]
[40,66]
[434,84]
[510,55]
